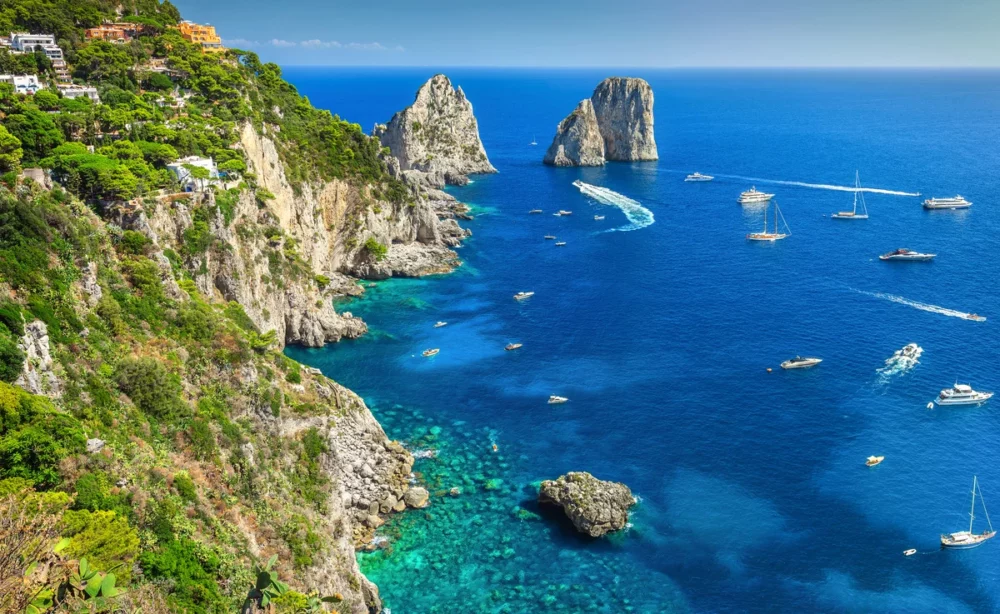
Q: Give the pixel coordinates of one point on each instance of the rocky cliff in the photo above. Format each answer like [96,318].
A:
[438,133]
[623,115]
[578,140]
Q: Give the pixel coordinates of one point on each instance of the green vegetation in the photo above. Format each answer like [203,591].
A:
[376,249]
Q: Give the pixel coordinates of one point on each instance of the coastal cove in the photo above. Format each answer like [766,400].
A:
[754,494]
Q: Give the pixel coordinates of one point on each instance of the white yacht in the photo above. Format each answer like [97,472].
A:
[853,213]
[947,203]
[550,237]
[598,218]
[800,362]
[430,352]
[962,394]
[440,324]
[560,243]
[907,254]
[698,177]
[535,211]
[752,196]
[963,540]
[555,400]
[520,296]
[562,212]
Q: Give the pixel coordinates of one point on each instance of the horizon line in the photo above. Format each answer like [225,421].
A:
[626,67]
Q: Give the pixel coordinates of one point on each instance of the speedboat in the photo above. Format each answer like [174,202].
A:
[535,211]
[431,352]
[520,296]
[555,400]
[974,317]
[698,177]
[512,346]
[550,237]
[911,350]
[560,243]
[563,212]
[752,196]
[598,217]
[874,460]
[907,254]
[909,552]
[440,324]
[962,394]
[801,363]
[947,203]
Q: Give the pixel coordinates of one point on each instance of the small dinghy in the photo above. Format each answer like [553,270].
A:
[909,552]
[440,324]
[431,352]
[874,460]
[520,296]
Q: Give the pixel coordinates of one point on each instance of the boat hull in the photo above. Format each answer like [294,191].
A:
[946,207]
[973,541]
[974,401]
[765,237]
[848,216]
[800,365]
[921,258]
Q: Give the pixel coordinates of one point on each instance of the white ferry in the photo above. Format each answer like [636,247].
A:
[947,203]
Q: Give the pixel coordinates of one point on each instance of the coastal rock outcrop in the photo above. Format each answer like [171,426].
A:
[578,140]
[38,375]
[622,110]
[437,134]
[595,507]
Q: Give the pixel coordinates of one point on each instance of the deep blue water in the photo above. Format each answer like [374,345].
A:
[754,492]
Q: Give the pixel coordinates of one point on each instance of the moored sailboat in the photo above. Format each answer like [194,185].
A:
[963,540]
[771,236]
[853,214]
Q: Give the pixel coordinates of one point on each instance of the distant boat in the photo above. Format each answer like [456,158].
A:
[874,460]
[440,324]
[771,236]
[560,243]
[520,296]
[533,141]
[947,203]
[512,346]
[853,214]
[698,177]
[431,352]
[549,237]
[907,254]
[562,212]
[801,363]
[535,211]
[555,400]
[753,197]
[963,540]
[598,218]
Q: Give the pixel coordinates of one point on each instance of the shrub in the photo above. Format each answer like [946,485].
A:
[35,437]
[202,439]
[153,389]
[11,359]
[104,538]
[185,486]
[376,249]
[134,243]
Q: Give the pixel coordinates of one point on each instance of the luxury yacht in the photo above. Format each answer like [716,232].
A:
[801,363]
[752,196]
[440,324]
[874,460]
[520,296]
[432,352]
[512,346]
[698,177]
[962,394]
[555,400]
[535,211]
[947,203]
[907,254]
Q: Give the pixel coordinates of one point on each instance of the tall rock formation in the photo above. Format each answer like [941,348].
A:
[623,114]
[437,134]
[578,140]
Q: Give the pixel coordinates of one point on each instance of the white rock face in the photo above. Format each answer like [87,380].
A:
[578,140]
[438,133]
[622,110]
[38,376]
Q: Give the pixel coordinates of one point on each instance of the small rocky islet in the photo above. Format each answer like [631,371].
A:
[595,507]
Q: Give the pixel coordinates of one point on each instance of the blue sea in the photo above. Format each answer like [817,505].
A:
[660,322]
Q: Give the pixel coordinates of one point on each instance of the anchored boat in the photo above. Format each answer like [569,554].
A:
[431,352]
[512,346]
[962,394]
[853,214]
[698,177]
[963,540]
[800,362]
[555,400]
[520,296]
[874,460]
[907,254]
[753,197]
[771,236]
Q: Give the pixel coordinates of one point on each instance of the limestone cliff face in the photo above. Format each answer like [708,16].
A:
[578,140]
[624,109]
[619,114]
[438,133]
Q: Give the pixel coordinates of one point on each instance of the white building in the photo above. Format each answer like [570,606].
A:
[76,91]
[22,42]
[184,175]
[23,84]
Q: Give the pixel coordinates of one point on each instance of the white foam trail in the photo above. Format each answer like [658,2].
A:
[638,216]
[924,306]
[899,363]
[820,186]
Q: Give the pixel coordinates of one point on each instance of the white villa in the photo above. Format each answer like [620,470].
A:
[23,84]
[184,175]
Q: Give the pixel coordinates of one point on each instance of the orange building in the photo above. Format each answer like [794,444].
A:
[110,33]
[203,35]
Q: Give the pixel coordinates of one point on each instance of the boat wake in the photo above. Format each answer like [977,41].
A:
[638,216]
[924,306]
[819,186]
[900,362]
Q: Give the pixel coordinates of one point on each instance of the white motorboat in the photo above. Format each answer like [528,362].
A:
[752,196]
[513,346]
[560,243]
[562,212]
[874,460]
[549,237]
[598,218]
[520,296]
[771,236]
[440,324]
[858,195]
[800,362]
[963,540]
[907,254]
[555,400]
[956,202]
[698,177]
[962,394]
[535,211]
[431,352]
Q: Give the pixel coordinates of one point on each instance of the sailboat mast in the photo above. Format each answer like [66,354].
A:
[972,509]
[983,501]
[857,186]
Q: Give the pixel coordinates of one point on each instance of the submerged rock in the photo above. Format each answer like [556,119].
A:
[416,497]
[594,506]
[578,140]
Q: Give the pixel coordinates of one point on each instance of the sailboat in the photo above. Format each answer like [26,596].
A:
[963,540]
[853,214]
[771,236]
[533,141]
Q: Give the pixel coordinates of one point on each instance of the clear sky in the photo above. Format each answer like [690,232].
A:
[636,33]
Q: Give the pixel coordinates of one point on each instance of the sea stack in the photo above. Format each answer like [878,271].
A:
[578,140]
[623,114]
[594,506]
[437,134]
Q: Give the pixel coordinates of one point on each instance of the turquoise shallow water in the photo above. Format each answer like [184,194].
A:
[754,493]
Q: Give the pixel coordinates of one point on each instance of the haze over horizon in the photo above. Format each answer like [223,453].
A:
[593,33]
